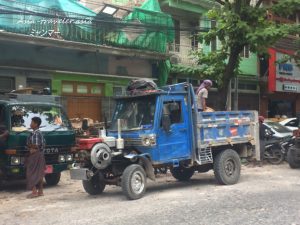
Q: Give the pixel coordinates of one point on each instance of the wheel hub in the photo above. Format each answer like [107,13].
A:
[229,167]
[137,182]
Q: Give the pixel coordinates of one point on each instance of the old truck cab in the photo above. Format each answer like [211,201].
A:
[162,128]
[15,117]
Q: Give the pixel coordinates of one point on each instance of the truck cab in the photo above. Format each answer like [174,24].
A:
[163,128]
[15,117]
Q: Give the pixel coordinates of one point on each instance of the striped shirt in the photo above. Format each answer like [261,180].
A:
[36,138]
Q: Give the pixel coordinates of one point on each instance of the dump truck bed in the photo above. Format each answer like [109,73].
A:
[226,127]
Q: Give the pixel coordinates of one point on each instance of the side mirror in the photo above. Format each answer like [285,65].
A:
[166,122]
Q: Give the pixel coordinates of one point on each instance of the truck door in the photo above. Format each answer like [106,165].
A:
[174,144]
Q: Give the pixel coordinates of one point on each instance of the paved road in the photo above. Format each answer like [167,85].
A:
[267,195]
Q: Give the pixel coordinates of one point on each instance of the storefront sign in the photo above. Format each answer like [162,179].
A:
[287,87]
[284,74]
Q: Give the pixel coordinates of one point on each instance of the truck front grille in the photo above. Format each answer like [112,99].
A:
[133,142]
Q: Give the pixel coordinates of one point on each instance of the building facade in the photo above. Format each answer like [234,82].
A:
[76,63]
[280,74]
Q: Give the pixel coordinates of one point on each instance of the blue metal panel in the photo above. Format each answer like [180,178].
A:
[175,144]
[219,127]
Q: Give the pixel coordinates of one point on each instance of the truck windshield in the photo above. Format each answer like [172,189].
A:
[135,113]
[53,119]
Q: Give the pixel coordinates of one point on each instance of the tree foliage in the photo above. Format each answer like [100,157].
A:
[240,23]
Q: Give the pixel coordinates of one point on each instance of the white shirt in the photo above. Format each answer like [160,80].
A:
[203,93]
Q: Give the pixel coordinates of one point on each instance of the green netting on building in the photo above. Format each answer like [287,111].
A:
[62,19]
[146,27]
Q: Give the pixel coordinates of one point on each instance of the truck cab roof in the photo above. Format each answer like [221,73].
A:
[27,99]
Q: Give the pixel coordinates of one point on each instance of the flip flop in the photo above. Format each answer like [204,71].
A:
[32,195]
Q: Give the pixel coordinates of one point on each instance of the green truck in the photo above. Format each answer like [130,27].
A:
[16,112]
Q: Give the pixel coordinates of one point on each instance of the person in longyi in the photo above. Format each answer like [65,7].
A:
[35,162]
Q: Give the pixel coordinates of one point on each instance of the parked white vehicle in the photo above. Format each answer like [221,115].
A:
[279,130]
[291,123]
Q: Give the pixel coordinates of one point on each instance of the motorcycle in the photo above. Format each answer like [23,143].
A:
[273,151]
[276,148]
[286,144]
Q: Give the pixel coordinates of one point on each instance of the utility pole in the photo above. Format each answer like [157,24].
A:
[228,100]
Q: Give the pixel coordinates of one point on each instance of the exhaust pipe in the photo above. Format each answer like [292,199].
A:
[120,140]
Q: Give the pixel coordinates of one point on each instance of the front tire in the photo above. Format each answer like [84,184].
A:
[227,167]
[52,179]
[95,185]
[134,182]
[182,174]
[294,164]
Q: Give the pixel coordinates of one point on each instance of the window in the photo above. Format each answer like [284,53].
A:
[53,118]
[82,89]
[213,43]
[194,41]
[175,46]
[118,91]
[2,115]
[67,88]
[293,123]
[96,90]
[246,52]
[194,35]
[247,86]
[38,85]
[7,84]
[173,108]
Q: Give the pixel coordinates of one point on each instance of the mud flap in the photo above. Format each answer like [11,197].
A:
[148,167]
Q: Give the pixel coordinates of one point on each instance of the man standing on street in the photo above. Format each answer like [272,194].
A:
[35,162]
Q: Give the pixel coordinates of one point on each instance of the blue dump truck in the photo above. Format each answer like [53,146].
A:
[159,129]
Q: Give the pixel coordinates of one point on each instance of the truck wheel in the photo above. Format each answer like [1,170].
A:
[291,159]
[134,182]
[95,185]
[52,179]
[181,173]
[227,167]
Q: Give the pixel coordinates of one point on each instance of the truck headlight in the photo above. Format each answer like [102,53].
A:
[61,158]
[149,140]
[15,160]
[69,158]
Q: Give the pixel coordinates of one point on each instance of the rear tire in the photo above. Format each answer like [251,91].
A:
[134,182]
[182,174]
[294,164]
[277,156]
[95,185]
[227,167]
[52,179]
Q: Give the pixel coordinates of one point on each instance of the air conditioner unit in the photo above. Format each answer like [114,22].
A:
[175,59]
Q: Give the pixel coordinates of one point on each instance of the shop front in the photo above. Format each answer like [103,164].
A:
[282,98]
